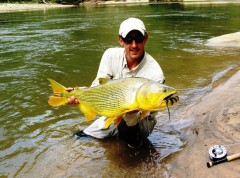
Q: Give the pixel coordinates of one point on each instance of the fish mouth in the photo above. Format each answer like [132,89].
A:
[172,99]
[168,97]
[169,101]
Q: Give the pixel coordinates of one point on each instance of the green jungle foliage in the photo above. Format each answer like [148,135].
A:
[43,1]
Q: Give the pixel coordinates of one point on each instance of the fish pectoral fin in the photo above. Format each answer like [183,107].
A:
[108,122]
[88,112]
[103,80]
[57,100]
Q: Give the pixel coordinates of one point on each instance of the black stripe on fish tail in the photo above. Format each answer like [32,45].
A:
[57,94]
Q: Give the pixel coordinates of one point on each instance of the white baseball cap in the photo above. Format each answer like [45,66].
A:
[131,24]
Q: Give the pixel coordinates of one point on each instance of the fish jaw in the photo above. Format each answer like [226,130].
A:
[168,102]
[151,95]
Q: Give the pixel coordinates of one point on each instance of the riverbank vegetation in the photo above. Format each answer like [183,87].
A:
[71,1]
[42,1]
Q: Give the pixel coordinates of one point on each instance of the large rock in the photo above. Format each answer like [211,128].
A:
[228,40]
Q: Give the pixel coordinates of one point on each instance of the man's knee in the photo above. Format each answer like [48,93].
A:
[131,135]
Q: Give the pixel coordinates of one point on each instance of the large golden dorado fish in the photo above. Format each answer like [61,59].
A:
[114,98]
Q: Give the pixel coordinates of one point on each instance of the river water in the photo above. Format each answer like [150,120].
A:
[66,45]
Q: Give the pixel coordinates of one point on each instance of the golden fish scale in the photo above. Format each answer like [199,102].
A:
[113,98]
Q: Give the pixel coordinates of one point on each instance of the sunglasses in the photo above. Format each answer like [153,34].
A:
[137,38]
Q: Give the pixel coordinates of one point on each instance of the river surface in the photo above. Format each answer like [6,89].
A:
[66,45]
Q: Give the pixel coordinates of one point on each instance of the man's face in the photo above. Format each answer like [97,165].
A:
[134,45]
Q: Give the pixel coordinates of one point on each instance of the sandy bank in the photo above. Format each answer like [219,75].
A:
[216,121]
[227,40]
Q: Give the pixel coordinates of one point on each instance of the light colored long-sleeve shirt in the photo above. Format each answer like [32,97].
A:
[114,65]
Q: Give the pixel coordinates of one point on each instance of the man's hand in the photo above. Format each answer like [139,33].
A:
[72,99]
[69,89]
[132,117]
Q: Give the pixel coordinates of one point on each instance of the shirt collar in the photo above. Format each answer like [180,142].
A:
[140,64]
[124,61]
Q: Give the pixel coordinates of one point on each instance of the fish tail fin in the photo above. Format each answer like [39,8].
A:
[57,87]
[57,98]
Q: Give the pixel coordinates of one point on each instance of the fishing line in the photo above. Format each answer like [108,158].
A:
[168,110]
[238,143]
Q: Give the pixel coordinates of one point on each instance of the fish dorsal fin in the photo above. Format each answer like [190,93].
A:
[103,80]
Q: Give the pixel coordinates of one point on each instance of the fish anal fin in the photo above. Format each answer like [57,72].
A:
[88,112]
[57,100]
[117,121]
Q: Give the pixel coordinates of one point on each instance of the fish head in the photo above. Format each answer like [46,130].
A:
[151,95]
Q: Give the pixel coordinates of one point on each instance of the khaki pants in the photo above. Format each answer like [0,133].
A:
[144,128]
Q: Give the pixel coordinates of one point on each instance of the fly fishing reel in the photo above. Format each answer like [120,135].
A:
[217,152]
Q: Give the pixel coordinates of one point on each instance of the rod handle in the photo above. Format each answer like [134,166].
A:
[232,157]
[228,158]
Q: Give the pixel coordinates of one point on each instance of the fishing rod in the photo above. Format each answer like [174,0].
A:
[218,154]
